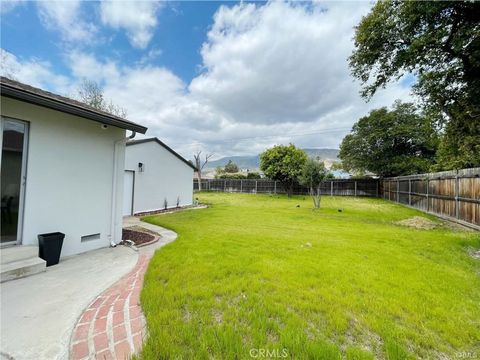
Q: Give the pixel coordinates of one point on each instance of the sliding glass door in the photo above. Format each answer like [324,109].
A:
[14,136]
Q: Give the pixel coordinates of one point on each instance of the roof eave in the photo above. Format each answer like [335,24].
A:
[36,99]
[165,146]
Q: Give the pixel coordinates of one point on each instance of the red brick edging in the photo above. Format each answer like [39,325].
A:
[113,325]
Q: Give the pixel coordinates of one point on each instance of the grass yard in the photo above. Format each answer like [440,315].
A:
[257,272]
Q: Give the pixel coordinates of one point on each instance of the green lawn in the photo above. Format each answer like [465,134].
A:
[258,272]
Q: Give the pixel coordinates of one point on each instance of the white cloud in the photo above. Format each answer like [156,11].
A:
[146,92]
[84,65]
[281,69]
[65,17]
[272,74]
[34,72]
[278,63]
[150,56]
[138,18]
[8,5]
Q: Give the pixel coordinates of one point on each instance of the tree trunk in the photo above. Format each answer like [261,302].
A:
[315,194]
[199,177]
[289,190]
[319,197]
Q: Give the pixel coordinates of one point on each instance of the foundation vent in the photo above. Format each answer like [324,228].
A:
[90,237]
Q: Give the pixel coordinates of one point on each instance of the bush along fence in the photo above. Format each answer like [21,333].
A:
[454,195]
[339,187]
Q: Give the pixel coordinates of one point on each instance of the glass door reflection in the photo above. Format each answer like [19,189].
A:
[12,179]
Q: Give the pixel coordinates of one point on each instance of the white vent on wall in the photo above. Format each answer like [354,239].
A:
[90,237]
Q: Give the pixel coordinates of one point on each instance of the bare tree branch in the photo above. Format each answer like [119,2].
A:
[90,93]
[199,164]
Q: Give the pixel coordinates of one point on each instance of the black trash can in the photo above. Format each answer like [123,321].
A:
[50,247]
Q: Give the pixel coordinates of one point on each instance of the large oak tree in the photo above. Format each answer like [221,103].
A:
[439,43]
[390,142]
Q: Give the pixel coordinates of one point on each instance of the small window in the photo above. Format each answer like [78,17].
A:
[90,237]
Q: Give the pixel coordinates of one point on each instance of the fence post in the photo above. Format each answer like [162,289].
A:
[376,190]
[457,202]
[275,187]
[256,186]
[398,190]
[208,185]
[331,188]
[225,185]
[355,191]
[428,190]
[241,185]
[409,192]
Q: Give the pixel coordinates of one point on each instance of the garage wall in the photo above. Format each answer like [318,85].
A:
[69,177]
[164,177]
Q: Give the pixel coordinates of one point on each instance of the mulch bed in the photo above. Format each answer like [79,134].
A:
[138,237]
[170,210]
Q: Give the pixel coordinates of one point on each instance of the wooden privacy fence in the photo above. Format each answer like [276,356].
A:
[340,187]
[454,195]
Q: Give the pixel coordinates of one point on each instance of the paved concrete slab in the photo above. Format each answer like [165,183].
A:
[38,313]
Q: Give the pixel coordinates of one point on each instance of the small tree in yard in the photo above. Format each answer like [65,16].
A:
[312,175]
[283,163]
[199,164]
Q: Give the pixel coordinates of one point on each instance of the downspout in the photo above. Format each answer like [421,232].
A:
[114,186]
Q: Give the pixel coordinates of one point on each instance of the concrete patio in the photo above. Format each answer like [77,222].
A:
[39,313]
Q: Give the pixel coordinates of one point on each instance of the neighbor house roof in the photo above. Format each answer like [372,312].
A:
[19,91]
[154,139]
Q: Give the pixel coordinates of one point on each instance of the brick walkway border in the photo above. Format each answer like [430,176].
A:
[113,325]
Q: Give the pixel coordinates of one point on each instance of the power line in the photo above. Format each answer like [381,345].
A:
[269,136]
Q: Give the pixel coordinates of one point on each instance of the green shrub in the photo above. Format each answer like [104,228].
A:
[253,175]
[236,176]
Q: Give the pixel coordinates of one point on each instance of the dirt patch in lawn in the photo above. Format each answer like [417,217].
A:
[474,253]
[218,316]
[139,235]
[418,222]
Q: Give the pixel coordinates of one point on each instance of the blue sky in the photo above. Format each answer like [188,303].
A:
[223,77]
[181,30]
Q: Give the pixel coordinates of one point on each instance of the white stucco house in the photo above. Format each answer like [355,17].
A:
[155,176]
[62,169]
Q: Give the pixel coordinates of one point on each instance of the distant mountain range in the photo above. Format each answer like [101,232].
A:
[253,162]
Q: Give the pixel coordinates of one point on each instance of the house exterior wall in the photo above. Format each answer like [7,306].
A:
[70,163]
[164,177]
